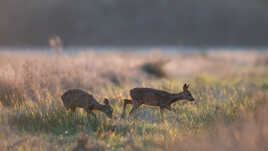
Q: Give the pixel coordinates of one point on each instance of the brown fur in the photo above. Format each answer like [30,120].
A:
[154,97]
[78,98]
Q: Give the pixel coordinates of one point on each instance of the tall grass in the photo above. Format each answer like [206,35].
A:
[228,110]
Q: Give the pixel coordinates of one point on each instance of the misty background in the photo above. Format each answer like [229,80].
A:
[134,22]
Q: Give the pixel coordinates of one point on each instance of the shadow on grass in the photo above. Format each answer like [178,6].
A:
[62,122]
[58,122]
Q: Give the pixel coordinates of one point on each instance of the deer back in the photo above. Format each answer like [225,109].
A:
[78,98]
[150,96]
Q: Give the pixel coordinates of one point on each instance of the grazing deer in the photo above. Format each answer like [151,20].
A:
[153,97]
[77,98]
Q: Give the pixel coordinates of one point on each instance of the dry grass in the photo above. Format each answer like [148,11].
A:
[247,134]
[230,89]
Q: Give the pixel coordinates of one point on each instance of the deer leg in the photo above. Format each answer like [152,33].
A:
[162,112]
[126,102]
[170,109]
[93,115]
[72,109]
[135,107]
[90,112]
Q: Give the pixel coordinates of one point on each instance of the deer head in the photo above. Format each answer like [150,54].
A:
[107,108]
[186,93]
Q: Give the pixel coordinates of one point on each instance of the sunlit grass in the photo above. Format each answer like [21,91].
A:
[215,101]
[34,111]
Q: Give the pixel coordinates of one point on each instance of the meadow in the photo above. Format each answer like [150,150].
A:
[230,88]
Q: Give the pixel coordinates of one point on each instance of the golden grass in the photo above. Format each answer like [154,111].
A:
[230,89]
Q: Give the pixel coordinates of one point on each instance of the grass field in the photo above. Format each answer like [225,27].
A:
[230,89]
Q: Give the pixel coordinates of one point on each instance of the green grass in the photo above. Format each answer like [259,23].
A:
[32,116]
[145,130]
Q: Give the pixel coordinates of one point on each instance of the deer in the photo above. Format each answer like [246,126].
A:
[156,98]
[78,98]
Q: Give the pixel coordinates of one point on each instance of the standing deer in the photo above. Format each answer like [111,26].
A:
[153,97]
[77,98]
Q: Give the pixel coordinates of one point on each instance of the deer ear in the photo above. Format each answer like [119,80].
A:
[185,86]
[106,101]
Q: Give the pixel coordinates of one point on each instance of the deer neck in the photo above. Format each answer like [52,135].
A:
[99,107]
[177,97]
